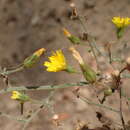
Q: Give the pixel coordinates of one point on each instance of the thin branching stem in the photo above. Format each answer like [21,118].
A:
[121,113]
[12,71]
[89,41]
[43,105]
[120,96]
[32,117]
[88,101]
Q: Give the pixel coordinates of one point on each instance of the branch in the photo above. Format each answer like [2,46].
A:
[46,87]
[90,41]
[98,105]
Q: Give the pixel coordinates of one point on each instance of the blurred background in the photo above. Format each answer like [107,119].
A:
[27,25]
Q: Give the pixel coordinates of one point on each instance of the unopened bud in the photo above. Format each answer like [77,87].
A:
[39,52]
[73,39]
[88,72]
[108,92]
[33,59]
[66,32]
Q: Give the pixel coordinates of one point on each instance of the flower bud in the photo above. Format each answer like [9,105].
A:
[73,39]
[67,33]
[19,96]
[88,72]
[33,59]
[108,92]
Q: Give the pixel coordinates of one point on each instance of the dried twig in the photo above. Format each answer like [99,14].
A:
[120,95]
[12,71]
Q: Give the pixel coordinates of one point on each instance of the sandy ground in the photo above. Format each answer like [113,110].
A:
[27,25]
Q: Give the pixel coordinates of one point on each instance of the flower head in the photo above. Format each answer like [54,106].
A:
[121,22]
[19,96]
[57,62]
[15,95]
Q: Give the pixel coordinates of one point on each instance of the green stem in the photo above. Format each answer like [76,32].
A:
[46,87]
[90,41]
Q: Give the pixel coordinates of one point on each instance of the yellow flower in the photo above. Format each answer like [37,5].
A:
[39,52]
[121,22]
[57,62]
[15,95]
[19,96]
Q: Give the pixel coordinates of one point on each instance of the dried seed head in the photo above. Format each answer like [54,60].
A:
[115,73]
[55,117]
[76,55]
[115,79]
[128,61]
[74,12]
[72,5]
